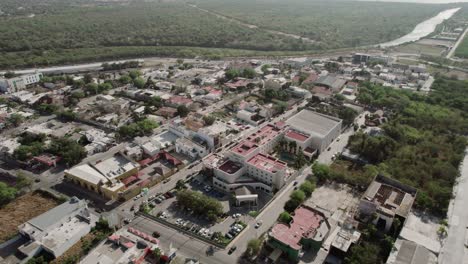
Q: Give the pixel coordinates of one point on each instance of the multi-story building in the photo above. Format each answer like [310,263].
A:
[248,163]
[56,230]
[313,131]
[19,83]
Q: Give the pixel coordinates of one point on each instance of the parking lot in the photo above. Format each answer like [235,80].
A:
[226,228]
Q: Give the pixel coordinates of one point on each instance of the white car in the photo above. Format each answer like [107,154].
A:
[258,224]
[201,231]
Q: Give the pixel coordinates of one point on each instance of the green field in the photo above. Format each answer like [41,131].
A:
[47,32]
[462,49]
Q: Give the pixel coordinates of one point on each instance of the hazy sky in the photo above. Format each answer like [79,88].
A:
[422,1]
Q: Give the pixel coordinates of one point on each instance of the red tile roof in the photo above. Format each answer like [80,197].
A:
[322,90]
[304,224]
[311,78]
[180,100]
[296,135]
[267,163]
[230,167]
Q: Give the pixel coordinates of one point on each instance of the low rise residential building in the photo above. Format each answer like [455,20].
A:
[127,245]
[107,177]
[249,117]
[190,148]
[58,229]
[214,135]
[307,230]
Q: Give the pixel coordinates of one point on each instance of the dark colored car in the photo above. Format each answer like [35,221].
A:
[231,250]
[156,234]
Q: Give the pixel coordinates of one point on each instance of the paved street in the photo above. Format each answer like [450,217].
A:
[339,145]
[196,249]
[454,249]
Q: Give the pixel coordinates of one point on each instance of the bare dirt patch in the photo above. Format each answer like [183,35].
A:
[76,251]
[21,210]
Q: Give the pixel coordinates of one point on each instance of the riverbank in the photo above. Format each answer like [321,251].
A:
[423,29]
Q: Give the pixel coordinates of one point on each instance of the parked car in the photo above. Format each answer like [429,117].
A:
[232,249]
[258,224]
[228,236]
[127,221]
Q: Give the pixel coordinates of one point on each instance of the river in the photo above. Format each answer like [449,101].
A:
[423,29]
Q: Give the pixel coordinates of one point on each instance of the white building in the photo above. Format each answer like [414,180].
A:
[214,135]
[313,130]
[190,148]
[248,163]
[19,83]
[249,117]
[56,230]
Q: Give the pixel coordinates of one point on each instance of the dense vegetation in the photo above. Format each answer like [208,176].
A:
[200,204]
[333,24]
[84,30]
[136,24]
[32,145]
[424,142]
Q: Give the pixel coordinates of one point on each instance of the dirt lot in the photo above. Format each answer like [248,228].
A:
[76,251]
[21,210]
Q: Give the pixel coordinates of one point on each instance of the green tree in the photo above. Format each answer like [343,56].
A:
[182,110]
[22,181]
[321,171]
[285,217]
[209,120]
[307,187]
[253,247]
[155,101]
[77,94]
[139,82]
[69,150]
[157,253]
[88,78]
[364,253]
[200,204]
[125,79]
[67,115]
[92,88]
[15,120]
[9,75]
[7,193]
[298,195]
[291,205]
[134,74]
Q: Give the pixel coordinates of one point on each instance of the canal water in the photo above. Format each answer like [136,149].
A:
[423,29]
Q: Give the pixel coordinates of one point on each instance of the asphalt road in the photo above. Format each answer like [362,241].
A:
[454,249]
[454,48]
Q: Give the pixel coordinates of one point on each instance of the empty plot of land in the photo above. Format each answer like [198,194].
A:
[332,197]
[21,210]
[422,229]
[432,50]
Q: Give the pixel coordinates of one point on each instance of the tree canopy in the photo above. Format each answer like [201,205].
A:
[423,143]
